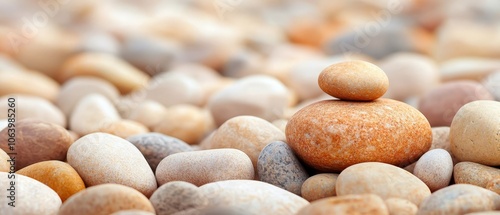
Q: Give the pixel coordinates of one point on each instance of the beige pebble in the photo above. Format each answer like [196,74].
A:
[177,196]
[148,113]
[485,213]
[33,107]
[28,83]
[348,204]
[494,185]
[472,68]
[475,174]
[434,168]
[122,128]
[133,212]
[399,206]
[319,186]
[90,113]
[172,89]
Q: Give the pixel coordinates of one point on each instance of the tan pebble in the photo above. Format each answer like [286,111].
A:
[123,128]
[485,213]
[133,212]
[148,113]
[494,185]
[105,199]
[91,113]
[206,142]
[399,206]
[28,83]
[434,168]
[354,80]
[172,89]
[475,174]
[319,186]
[108,67]
[98,41]
[35,108]
[177,196]
[471,68]
[348,204]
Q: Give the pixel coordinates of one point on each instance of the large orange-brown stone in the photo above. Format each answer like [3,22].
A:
[332,135]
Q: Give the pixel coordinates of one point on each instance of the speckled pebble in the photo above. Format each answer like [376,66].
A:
[434,168]
[177,196]
[278,165]
[475,174]
[319,186]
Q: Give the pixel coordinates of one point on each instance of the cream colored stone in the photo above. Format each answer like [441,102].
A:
[434,168]
[348,204]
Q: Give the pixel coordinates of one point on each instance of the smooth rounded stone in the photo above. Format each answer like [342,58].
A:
[441,104]
[8,65]
[106,66]
[34,108]
[156,146]
[319,186]
[28,83]
[122,128]
[434,168]
[177,196]
[332,135]
[58,175]
[186,122]
[37,141]
[90,113]
[397,206]
[278,165]
[460,199]
[148,113]
[4,163]
[31,196]
[101,158]
[206,166]
[73,90]
[243,63]
[472,68]
[98,41]
[410,75]
[474,133]
[105,199]
[261,96]
[172,89]
[354,80]
[254,197]
[492,83]
[348,204]
[219,210]
[494,185]
[247,133]
[474,173]
[133,212]
[382,179]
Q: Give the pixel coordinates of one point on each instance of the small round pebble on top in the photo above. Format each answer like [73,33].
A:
[354,80]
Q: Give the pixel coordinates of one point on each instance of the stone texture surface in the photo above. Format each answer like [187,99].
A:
[348,204]
[278,165]
[206,166]
[381,179]
[475,174]
[397,206]
[101,158]
[105,199]
[59,176]
[434,168]
[319,186]
[475,134]
[354,80]
[32,107]
[177,196]
[37,141]
[331,135]
[91,113]
[156,146]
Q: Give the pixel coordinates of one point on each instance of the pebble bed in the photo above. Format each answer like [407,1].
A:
[227,107]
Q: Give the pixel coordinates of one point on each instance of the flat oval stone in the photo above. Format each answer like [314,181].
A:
[474,134]
[91,112]
[354,80]
[319,186]
[348,204]
[459,199]
[37,141]
[397,206]
[156,146]
[105,199]
[254,197]
[31,196]
[59,176]
[434,168]
[177,196]
[277,165]
[332,135]
[206,166]
[382,179]
[148,113]
[474,173]
[122,128]
[35,108]
[101,158]
[172,89]
[28,83]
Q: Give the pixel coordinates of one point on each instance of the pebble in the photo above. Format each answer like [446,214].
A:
[31,197]
[132,212]
[354,80]
[177,196]
[277,165]
[122,75]
[494,185]
[35,108]
[410,75]
[247,133]
[254,197]
[485,213]
[474,134]
[28,83]
[459,199]
[98,41]
[59,176]
[90,113]
[382,179]
[172,89]
[471,68]
[206,166]
[331,135]
[122,128]
[156,146]
[319,186]
[75,89]
[492,83]
[37,141]
[348,204]
[4,163]
[186,122]
[475,174]
[441,104]
[105,199]
[397,206]
[258,95]
[104,158]
[434,168]
[148,113]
